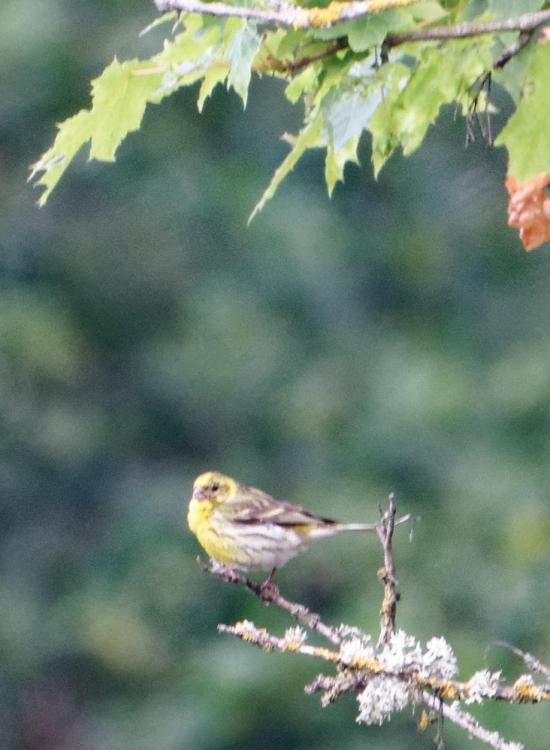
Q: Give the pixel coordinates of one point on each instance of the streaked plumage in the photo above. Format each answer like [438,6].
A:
[248,529]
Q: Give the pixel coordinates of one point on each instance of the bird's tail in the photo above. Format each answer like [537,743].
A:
[355,526]
[371,526]
[336,528]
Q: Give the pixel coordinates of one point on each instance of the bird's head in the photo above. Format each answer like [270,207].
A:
[214,487]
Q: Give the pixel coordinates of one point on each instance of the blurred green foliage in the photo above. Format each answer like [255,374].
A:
[393,338]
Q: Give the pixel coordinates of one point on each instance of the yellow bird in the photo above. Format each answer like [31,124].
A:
[248,529]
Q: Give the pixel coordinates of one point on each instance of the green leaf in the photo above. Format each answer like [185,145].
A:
[120,96]
[527,133]
[336,160]
[242,47]
[343,93]
[346,114]
[72,134]
[288,43]
[443,75]
[371,31]
[474,10]
[186,59]
[308,137]
[334,75]
[170,16]
[119,99]
[332,32]
[507,8]
[429,11]
[300,84]
[391,78]
[512,75]
[216,73]
[189,45]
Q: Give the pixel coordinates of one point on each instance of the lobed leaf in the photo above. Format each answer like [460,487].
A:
[347,113]
[526,134]
[346,86]
[336,161]
[308,137]
[216,73]
[243,44]
[119,97]
[122,92]
[72,134]
[443,75]
[382,125]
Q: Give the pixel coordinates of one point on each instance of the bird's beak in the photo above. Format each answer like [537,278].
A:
[198,493]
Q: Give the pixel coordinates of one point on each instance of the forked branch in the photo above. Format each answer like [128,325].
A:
[397,671]
[283,14]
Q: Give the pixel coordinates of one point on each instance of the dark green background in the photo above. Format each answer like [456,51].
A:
[396,337]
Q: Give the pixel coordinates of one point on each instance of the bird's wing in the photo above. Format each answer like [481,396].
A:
[252,506]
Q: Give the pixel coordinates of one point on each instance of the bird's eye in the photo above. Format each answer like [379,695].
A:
[215,487]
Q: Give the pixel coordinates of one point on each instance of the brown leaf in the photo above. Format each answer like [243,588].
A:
[529,209]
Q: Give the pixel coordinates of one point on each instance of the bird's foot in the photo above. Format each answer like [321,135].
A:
[269,589]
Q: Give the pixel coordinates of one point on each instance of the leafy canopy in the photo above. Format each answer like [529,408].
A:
[351,74]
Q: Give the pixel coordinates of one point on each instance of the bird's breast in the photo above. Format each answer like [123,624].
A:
[198,514]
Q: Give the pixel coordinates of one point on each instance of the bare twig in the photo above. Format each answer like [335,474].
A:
[483,83]
[387,573]
[271,595]
[531,662]
[527,22]
[292,66]
[522,40]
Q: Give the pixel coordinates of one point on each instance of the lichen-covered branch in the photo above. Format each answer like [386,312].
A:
[383,688]
[286,15]
[397,671]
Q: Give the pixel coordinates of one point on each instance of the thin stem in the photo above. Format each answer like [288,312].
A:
[293,66]
[523,39]
[302,62]
[532,662]
[473,727]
